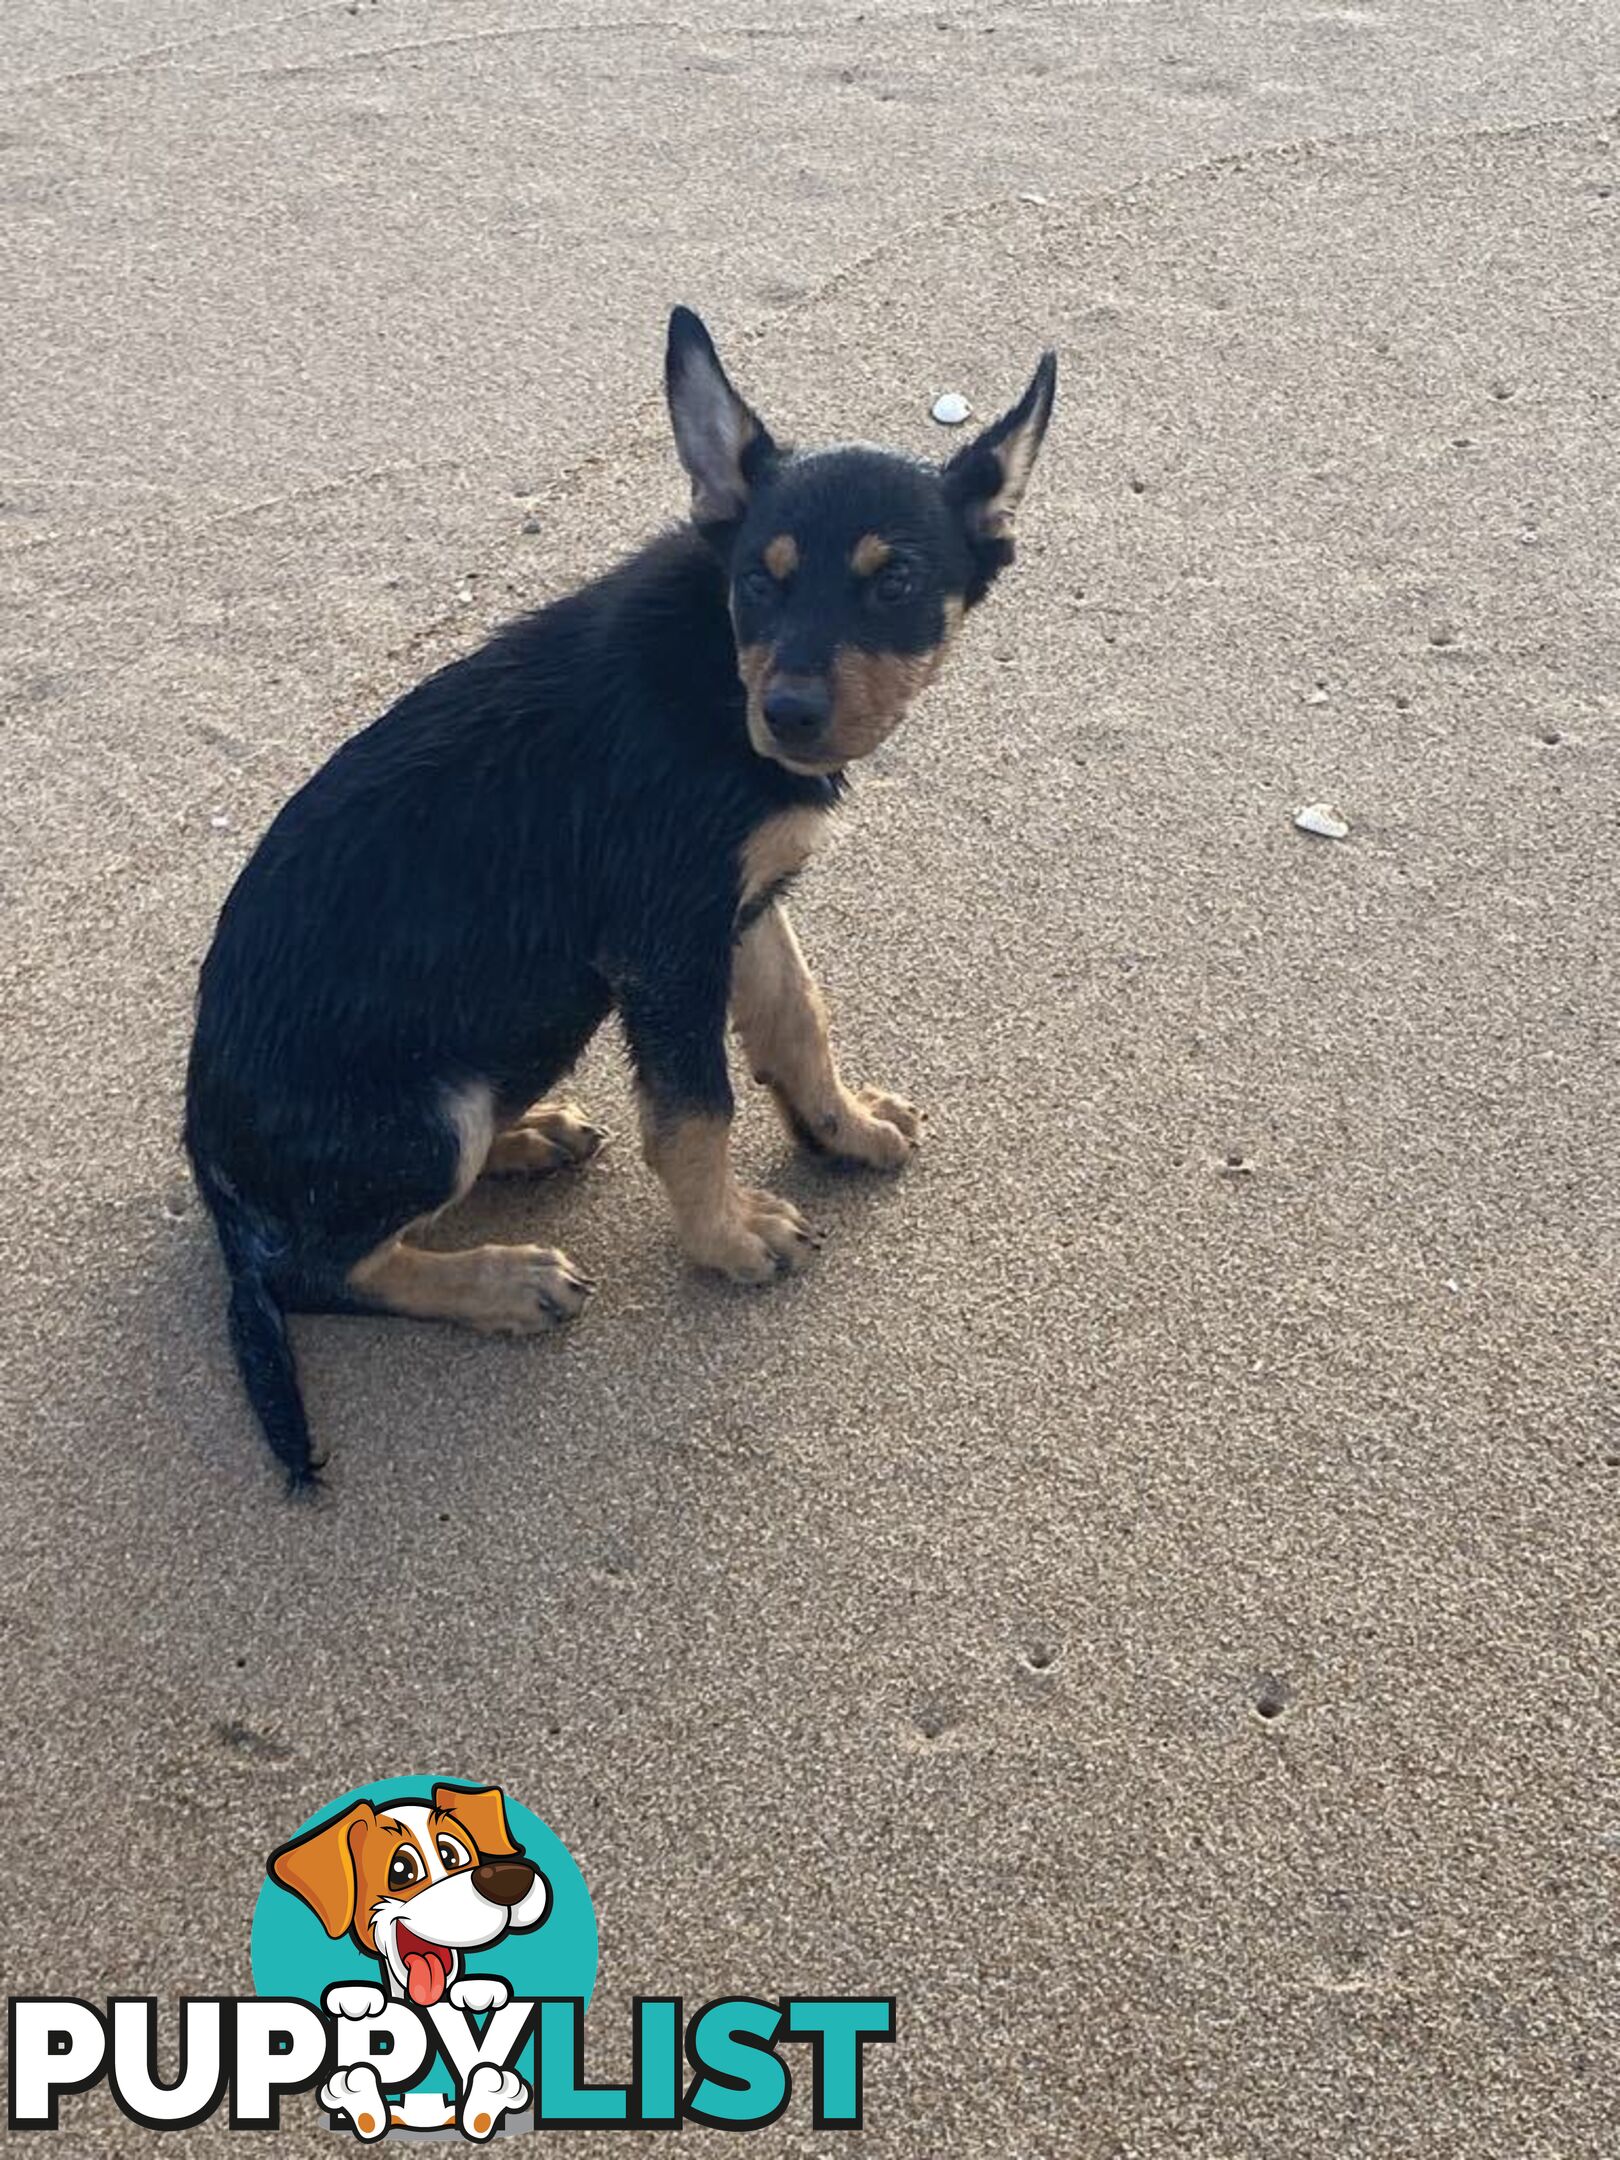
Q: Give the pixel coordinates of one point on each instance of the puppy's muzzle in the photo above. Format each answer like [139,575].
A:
[504,1882]
[798,712]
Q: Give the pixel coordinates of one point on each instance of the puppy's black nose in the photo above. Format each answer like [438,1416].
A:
[797,708]
[503,1882]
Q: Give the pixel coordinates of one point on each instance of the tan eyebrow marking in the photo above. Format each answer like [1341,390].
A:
[398,1829]
[781,556]
[441,1819]
[870,553]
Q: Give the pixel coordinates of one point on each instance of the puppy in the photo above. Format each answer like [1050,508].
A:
[600,810]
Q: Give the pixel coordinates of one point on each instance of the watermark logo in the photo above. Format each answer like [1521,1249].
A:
[424,1951]
[418,1908]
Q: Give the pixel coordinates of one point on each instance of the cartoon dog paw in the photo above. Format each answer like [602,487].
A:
[357,2093]
[353,1999]
[490,2094]
[479,1993]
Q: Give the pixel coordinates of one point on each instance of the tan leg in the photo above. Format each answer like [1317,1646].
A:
[750,1236]
[498,1289]
[551,1136]
[783,1024]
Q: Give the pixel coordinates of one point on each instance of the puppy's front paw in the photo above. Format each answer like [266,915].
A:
[752,1238]
[479,1992]
[490,2094]
[877,1130]
[354,1999]
[357,2093]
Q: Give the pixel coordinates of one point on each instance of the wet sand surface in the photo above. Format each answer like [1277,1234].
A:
[1147,1598]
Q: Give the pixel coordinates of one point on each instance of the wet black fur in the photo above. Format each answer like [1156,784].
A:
[543,832]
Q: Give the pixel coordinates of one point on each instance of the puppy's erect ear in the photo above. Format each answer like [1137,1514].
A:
[481,1812]
[986,481]
[723,444]
[319,1867]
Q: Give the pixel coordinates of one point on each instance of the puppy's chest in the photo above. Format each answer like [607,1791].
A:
[775,852]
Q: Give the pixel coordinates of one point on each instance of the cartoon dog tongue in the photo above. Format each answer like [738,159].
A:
[427,1970]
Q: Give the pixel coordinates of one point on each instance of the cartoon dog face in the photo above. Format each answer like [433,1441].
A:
[417,1882]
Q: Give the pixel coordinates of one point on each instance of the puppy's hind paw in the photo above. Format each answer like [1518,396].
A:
[522,1289]
[551,1136]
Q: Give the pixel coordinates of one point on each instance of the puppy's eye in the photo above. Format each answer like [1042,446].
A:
[452,1854]
[757,587]
[403,1869]
[895,583]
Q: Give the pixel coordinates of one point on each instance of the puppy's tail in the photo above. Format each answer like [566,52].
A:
[264,1355]
[258,1327]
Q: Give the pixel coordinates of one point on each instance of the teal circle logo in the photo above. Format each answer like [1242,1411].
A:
[425,1891]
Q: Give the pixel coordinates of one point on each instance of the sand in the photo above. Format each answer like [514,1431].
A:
[1147,1599]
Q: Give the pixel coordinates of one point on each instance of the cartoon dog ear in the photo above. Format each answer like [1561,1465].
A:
[481,1812]
[723,443]
[319,1867]
[986,480]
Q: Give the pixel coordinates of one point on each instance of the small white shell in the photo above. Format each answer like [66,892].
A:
[1321,817]
[952,409]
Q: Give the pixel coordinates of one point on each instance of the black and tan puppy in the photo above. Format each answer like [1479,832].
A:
[600,809]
